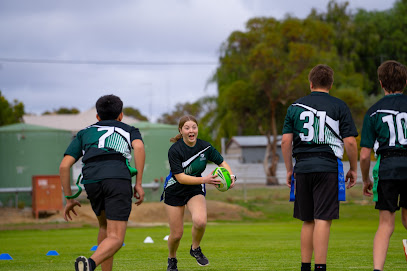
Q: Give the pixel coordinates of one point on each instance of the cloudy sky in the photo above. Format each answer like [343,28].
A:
[152,53]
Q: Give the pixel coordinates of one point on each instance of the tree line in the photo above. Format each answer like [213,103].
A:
[264,68]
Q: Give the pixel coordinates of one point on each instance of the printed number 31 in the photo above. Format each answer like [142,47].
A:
[309,125]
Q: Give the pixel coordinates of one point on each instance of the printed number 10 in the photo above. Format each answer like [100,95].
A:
[400,128]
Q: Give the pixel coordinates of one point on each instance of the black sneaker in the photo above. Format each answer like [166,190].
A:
[198,255]
[172,264]
[82,264]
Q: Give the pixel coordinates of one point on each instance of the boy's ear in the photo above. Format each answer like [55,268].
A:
[120,117]
[97,116]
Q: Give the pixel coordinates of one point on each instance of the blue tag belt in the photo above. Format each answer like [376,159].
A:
[341,184]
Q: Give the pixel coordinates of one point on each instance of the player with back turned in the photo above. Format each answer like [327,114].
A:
[106,150]
[316,129]
[385,131]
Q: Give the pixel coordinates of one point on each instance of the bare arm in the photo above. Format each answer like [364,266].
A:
[65,175]
[352,152]
[226,165]
[287,150]
[365,168]
[183,178]
[139,160]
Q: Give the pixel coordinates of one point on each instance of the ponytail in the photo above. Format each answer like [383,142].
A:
[176,138]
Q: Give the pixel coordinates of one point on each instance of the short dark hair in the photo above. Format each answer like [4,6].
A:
[109,107]
[321,76]
[393,76]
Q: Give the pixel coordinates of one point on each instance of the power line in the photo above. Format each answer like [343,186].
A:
[106,62]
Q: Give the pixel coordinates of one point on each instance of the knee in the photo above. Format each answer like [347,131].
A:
[386,228]
[117,241]
[199,223]
[176,236]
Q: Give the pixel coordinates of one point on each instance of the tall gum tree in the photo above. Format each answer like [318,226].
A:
[262,69]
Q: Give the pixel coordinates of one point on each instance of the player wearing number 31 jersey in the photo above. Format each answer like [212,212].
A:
[316,129]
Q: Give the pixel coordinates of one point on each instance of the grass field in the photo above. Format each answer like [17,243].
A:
[267,243]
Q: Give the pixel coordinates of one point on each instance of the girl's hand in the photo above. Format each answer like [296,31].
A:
[211,179]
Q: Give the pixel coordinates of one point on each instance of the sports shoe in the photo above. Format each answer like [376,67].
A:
[405,247]
[172,264]
[82,264]
[198,255]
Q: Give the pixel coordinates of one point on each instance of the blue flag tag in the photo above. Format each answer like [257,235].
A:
[341,182]
[165,185]
[292,193]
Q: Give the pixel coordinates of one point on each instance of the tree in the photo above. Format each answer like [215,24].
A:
[263,69]
[63,110]
[133,112]
[10,113]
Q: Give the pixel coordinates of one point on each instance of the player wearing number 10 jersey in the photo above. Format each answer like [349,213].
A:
[316,129]
[385,131]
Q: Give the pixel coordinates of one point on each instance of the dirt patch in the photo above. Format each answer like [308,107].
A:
[147,214]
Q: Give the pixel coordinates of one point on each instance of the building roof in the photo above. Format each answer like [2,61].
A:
[252,141]
[70,122]
[19,127]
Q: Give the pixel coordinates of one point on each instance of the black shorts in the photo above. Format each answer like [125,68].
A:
[392,195]
[181,200]
[316,196]
[114,196]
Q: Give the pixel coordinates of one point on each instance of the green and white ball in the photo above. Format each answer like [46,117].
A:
[224,176]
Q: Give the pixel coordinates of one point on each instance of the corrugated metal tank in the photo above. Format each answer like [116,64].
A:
[27,150]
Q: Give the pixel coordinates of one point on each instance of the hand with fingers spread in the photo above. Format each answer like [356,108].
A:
[70,205]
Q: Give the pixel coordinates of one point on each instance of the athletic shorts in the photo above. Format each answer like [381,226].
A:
[316,196]
[114,196]
[181,200]
[389,192]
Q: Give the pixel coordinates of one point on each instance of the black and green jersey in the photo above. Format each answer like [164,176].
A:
[105,146]
[385,129]
[318,123]
[191,161]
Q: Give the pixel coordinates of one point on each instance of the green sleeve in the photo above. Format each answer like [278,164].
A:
[288,124]
[368,132]
[75,148]
[215,156]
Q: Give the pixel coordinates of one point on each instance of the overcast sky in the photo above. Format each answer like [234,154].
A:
[116,35]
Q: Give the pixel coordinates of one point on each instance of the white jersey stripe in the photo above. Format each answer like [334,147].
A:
[385,111]
[186,163]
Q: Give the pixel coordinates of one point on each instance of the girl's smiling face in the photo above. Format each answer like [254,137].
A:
[189,132]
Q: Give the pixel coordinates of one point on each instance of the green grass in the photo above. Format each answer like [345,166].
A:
[271,242]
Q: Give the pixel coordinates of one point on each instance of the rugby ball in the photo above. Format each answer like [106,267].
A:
[224,176]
